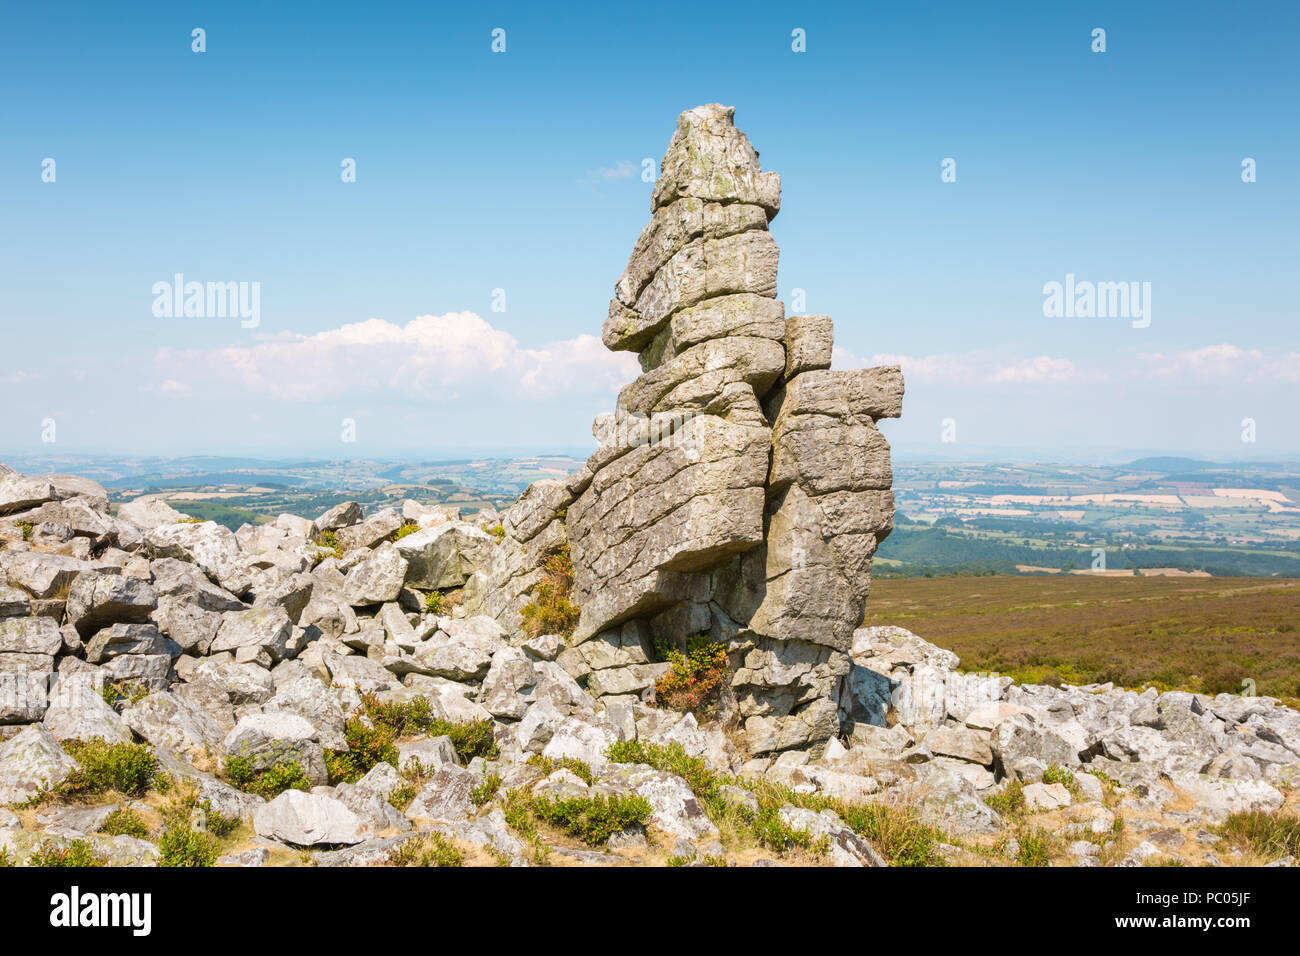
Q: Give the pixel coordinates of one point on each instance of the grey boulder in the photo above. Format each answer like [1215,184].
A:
[307,819]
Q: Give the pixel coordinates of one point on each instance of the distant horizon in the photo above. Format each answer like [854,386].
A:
[466,455]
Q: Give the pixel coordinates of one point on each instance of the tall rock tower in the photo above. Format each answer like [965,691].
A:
[741,487]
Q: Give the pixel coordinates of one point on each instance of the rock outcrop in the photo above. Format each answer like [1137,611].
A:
[741,486]
[258,654]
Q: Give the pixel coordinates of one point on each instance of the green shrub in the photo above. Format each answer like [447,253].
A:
[27,528]
[551,611]
[1011,801]
[78,853]
[674,759]
[182,845]
[372,733]
[441,852]
[548,765]
[1035,847]
[369,744]
[485,791]
[517,805]
[401,797]
[472,738]
[216,823]
[101,766]
[124,822]
[114,691]
[1055,774]
[286,775]
[434,849]
[775,833]
[329,541]
[593,819]
[435,603]
[184,810]
[403,718]
[407,528]
[697,676]
[4,858]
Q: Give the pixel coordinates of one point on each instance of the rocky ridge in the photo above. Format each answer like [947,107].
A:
[261,645]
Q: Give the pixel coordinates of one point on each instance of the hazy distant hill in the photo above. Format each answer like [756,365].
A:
[1170,464]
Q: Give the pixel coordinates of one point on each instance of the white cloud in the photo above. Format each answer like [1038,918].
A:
[1226,362]
[432,358]
[623,169]
[1223,362]
[973,368]
[1043,368]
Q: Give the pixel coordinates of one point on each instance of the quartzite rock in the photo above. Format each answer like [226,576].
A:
[740,488]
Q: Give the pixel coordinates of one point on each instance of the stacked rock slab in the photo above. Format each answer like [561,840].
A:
[741,487]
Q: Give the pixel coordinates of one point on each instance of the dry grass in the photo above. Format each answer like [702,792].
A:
[1263,836]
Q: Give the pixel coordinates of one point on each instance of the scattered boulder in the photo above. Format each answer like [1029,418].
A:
[148,513]
[78,712]
[675,808]
[844,846]
[1024,747]
[1046,796]
[307,819]
[120,639]
[447,796]
[30,635]
[445,555]
[97,599]
[309,698]
[342,515]
[175,722]
[31,762]
[376,579]
[265,740]
[260,628]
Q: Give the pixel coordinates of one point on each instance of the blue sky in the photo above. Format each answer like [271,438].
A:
[521,171]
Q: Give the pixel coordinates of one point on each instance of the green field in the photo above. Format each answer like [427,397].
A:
[993,546]
[1201,634]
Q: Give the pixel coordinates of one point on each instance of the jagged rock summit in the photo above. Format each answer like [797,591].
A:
[741,486]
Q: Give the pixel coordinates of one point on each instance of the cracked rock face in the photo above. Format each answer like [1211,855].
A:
[741,486]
